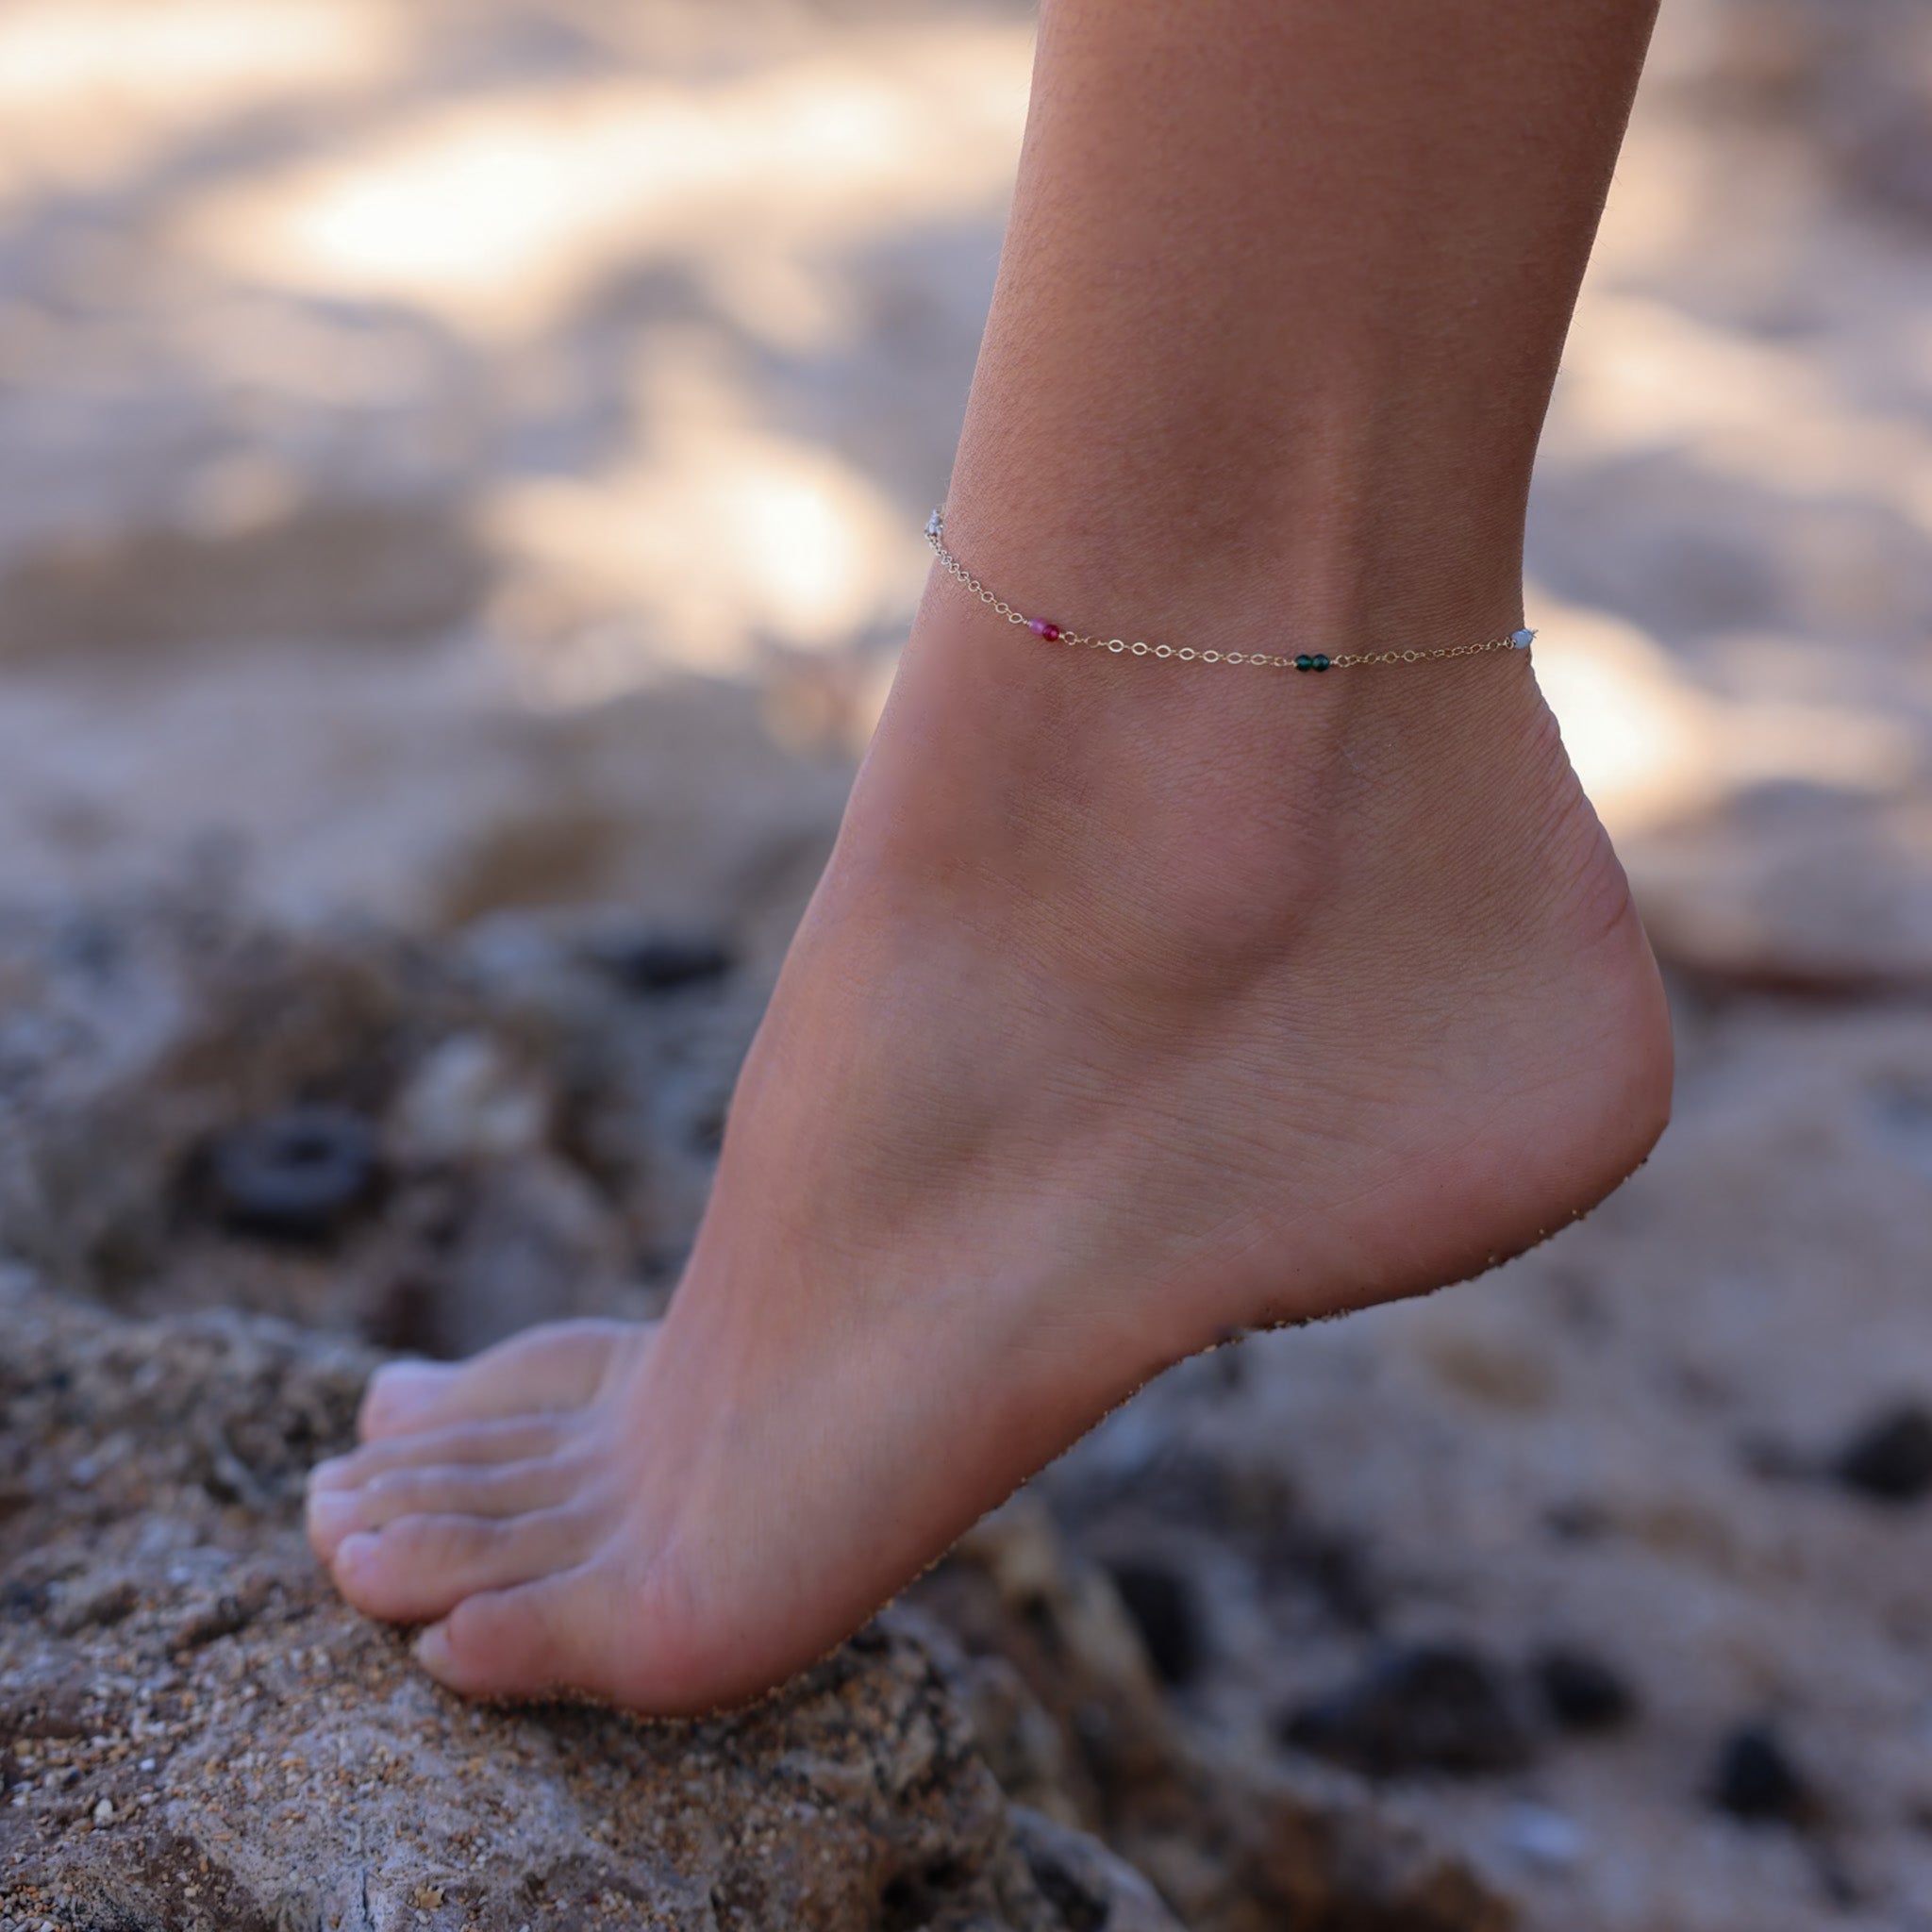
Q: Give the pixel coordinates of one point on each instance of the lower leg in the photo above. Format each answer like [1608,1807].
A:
[1280,306]
[1141,1001]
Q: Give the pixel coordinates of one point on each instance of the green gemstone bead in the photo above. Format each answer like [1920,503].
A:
[1321,661]
[1305,662]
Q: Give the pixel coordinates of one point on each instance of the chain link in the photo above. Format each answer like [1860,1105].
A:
[935,535]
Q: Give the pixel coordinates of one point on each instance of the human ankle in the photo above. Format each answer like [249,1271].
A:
[1212,807]
[1268,591]
[1334,576]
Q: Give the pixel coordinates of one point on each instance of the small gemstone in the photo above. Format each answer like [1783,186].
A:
[1042,628]
[1522,639]
[934,523]
[1305,662]
[1321,660]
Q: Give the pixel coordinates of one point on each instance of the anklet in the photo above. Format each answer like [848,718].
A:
[1303,660]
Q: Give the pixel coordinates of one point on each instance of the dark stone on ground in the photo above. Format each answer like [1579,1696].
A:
[1579,1521]
[1439,1707]
[1334,1566]
[1889,1458]
[1253,1512]
[297,1176]
[1161,1604]
[659,962]
[1756,1779]
[1581,1691]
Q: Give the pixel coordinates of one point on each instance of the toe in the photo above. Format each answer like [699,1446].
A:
[613,1627]
[403,1396]
[520,1440]
[525,1640]
[556,1367]
[489,1491]
[422,1567]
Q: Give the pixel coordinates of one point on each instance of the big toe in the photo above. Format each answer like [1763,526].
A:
[592,1628]
[624,1625]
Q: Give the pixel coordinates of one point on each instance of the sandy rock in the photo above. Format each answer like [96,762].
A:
[130,1039]
[195,1733]
[1795,890]
[198,1734]
[363,1133]
[372,568]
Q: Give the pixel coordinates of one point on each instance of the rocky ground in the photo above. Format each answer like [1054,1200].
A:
[435,631]
[1593,1591]
[198,1734]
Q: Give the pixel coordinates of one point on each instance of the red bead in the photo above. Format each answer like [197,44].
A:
[1040,629]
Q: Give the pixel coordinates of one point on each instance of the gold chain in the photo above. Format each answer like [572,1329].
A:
[935,535]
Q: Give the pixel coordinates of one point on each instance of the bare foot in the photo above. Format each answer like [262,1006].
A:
[1141,1004]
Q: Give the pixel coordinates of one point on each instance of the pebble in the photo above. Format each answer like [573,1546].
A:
[659,962]
[468,1100]
[1429,1707]
[1540,1836]
[101,1601]
[296,1175]
[1161,1604]
[1889,1458]
[1755,1779]
[1581,1691]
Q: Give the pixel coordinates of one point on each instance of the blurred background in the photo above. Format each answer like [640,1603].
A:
[461,472]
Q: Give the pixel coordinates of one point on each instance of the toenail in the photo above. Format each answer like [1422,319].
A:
[354,1552]
[329,1476]
[431,1650]
[405,1381]
[410,1368]
[328,1508]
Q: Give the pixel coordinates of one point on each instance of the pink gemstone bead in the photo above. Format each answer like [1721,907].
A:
[1040,629]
